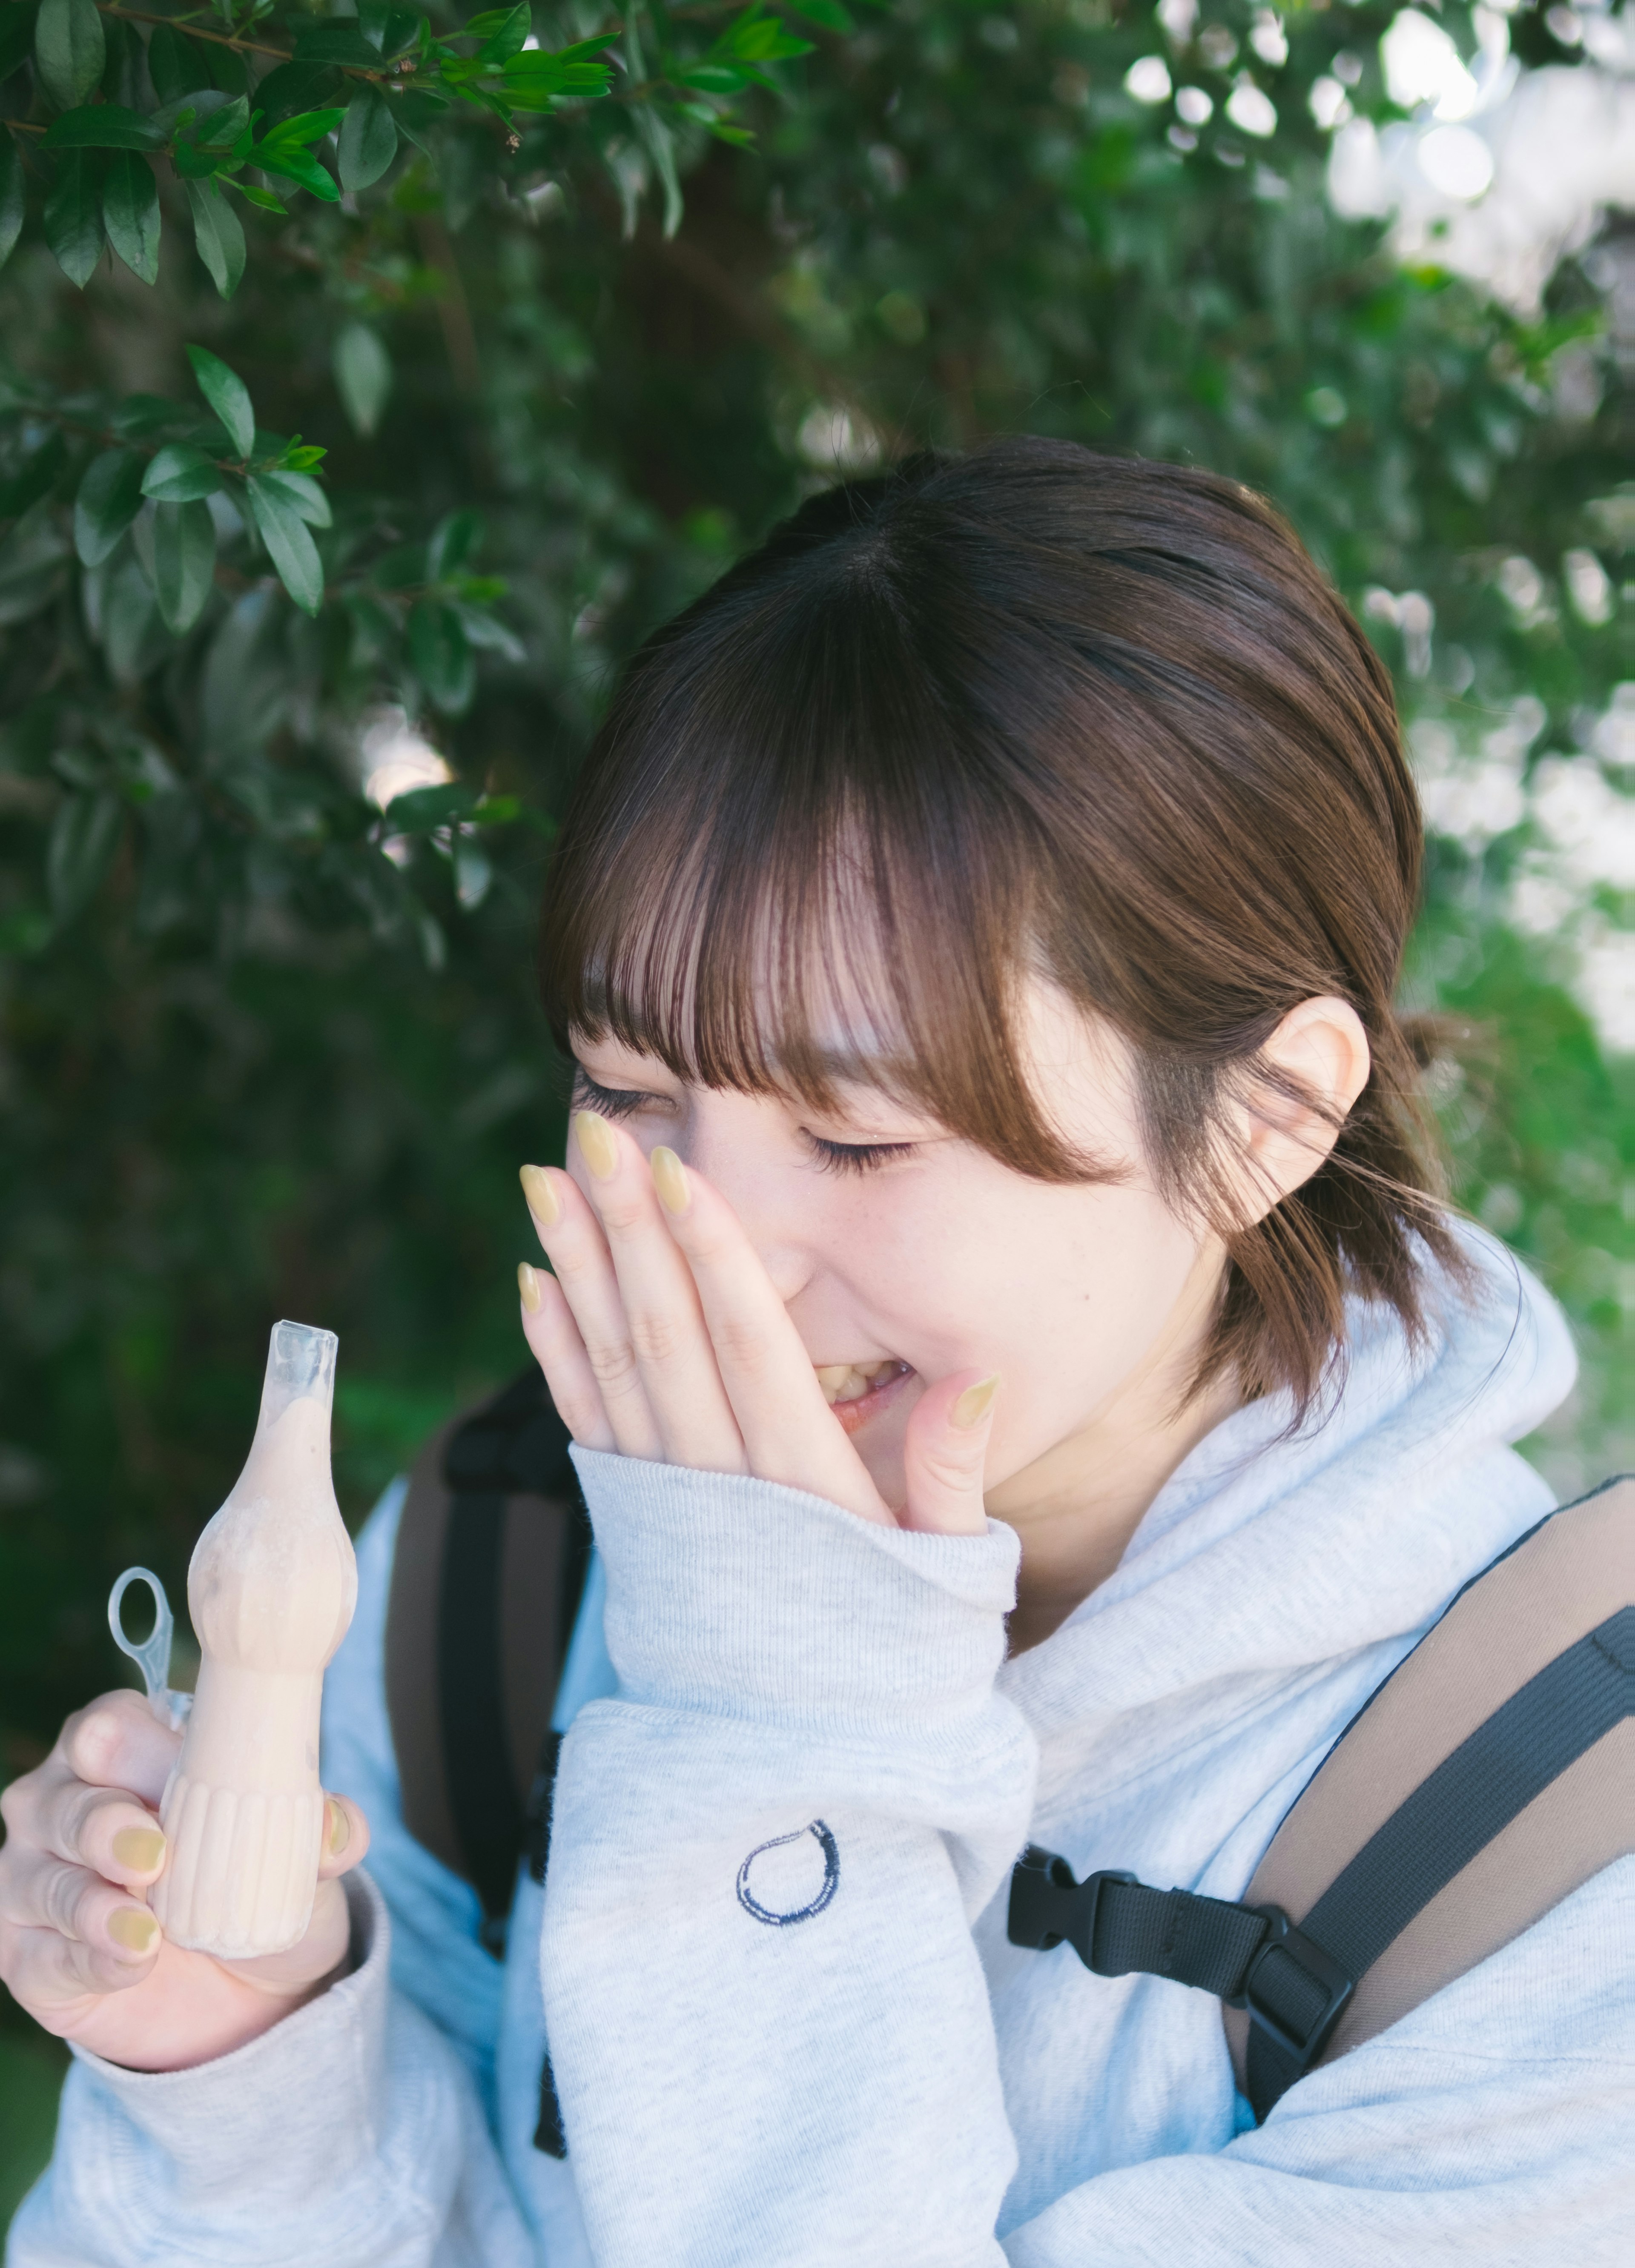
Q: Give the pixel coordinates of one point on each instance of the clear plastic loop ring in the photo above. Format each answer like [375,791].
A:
[152,1655]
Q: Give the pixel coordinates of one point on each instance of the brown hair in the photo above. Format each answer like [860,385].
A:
[1032,708]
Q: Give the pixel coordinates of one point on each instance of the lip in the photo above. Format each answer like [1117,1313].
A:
[852,1416]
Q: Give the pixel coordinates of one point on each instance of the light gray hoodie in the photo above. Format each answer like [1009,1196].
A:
[786,2024]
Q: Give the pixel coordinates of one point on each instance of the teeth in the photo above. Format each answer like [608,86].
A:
[848,1381]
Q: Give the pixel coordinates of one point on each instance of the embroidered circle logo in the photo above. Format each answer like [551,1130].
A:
[753,1906]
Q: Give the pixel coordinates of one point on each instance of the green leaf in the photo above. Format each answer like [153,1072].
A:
[291,88]
[17,37]
[440,656]
[306,126]
[184,563]
[388,29]
[130,213]
[299,166]
[224,125]
[180,474]
[302,493]
[101,125]
[73,215]
[453,543]
[363,375]
[228,396]
[13,197]
[509,36]
[336,43]
[174,64]
[289,546]
[714,78]
[69,50]
[263,198]
[422,809]
[109,498]
[84,834]
[218,235]
[38,474]
[758,38]
[368,140]
[829,13]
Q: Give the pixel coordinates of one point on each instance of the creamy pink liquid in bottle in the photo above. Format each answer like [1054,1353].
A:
[271,1589]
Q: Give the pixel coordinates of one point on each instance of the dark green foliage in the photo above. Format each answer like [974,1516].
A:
[265,1049]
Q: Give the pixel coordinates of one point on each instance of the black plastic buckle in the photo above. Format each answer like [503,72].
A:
[1282,1936]
[1049,1907]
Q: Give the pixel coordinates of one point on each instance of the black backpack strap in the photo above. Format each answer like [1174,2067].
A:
[1548,1753]
[493,1548]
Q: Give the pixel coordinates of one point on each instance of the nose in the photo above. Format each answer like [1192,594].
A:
[741,1143]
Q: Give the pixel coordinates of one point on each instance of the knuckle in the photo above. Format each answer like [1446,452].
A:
[657,1338]
[93,1743]
[613,1362]
[742,1345]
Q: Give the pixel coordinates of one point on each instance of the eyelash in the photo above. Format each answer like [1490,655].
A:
[831,1157]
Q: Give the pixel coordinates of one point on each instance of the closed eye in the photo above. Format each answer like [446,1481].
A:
[856,1157]
[610,1101]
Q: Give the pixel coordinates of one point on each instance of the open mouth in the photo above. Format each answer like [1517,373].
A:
[855,1391]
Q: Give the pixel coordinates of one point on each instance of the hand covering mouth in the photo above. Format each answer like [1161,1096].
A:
[850,1382]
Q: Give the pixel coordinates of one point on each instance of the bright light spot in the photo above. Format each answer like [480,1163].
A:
[1194,105]
[1522,585]
[1589,588]
[1269,40]
[835,441]
[1564,25]
[1148,79]
[1614,737]
[1456,160]
[1606,986]
[1587,822]
[1330,105]
[1217,47]
[1325,406]
[1251,111]
[392,758]
[1177,17]
[1411,613]
[1422,64]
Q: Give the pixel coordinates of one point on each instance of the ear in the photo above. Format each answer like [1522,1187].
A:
[1322,1049]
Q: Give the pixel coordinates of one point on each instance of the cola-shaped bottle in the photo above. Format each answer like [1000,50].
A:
[271,1589]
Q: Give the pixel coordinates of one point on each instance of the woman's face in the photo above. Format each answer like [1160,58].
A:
[904,1252]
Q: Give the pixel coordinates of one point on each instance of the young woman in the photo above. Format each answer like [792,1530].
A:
[1025,1389]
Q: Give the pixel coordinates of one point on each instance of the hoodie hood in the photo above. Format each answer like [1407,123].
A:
[1273,1566]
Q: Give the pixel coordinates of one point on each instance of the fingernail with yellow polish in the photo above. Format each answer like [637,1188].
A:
[974,1403]
[597,1145]
[337,1829]
[670,1180]
[542,1201]
[142,1849]
[527,1288]
[133,1929]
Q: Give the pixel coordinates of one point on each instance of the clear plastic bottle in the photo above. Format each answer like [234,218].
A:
[271,1589]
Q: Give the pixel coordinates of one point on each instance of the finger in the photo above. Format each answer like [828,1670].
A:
[345,1839]
[578,1252]
[553,1338]
[117,1742]
[119,1938]
[789,1432]
[676,1361]
[944,1451]
[102,1828]
[54,1976]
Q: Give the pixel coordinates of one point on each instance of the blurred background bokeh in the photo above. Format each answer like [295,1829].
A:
[265,1051]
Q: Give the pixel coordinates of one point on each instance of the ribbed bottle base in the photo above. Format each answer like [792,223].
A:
[242,1870]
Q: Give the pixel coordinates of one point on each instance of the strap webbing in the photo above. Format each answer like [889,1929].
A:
[1456,1810]
[1295,1981]
[482,1786]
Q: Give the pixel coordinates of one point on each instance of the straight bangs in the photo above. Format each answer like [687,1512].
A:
[794,871]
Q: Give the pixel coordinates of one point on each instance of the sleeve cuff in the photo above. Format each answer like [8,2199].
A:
[732,1596]
[290,2112]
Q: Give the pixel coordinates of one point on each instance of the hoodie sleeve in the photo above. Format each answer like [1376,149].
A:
[1496,2125]
[768,2020]
[350,2135]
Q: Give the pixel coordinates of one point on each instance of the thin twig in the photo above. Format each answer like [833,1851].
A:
[196,32]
